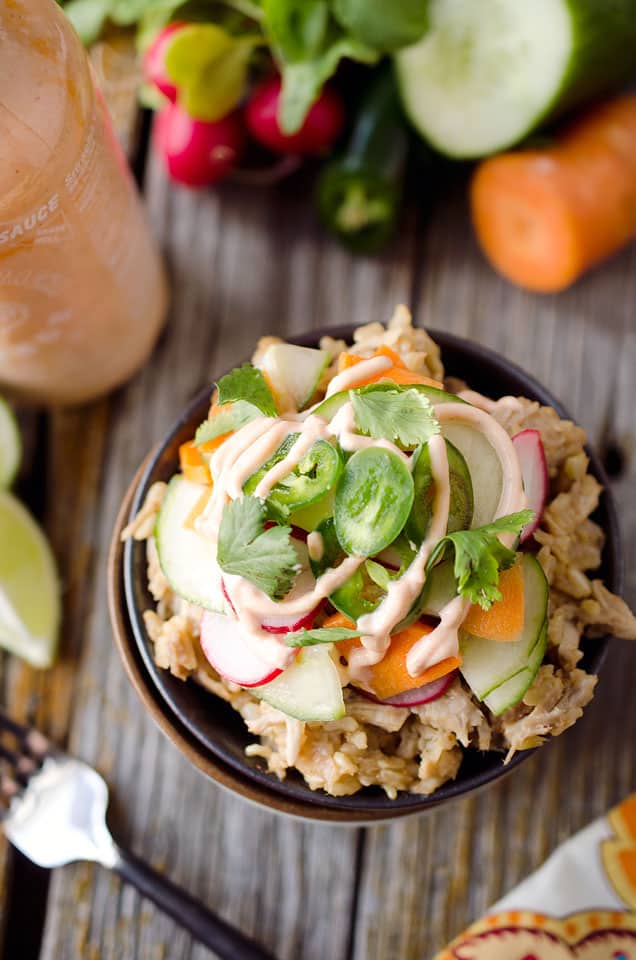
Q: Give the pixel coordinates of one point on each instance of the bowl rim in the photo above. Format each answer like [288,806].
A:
[356,807]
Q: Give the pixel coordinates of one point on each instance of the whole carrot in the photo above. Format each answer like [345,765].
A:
[544,216]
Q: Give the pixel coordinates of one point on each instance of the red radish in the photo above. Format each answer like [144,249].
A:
[224,645]
[413,698]
[534,470]
[154,63]
[279,624]
[197,152]
[321,127]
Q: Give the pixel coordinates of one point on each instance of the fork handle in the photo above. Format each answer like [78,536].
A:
[225,940]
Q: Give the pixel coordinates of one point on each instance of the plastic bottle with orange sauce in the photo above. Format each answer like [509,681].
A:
[82,290]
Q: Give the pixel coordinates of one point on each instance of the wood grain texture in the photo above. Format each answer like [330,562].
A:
[238,271]
[244,263]
[451,864]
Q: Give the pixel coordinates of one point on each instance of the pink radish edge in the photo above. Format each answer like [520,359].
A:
[225,648]
[534,470]
[280,624]
[413,698]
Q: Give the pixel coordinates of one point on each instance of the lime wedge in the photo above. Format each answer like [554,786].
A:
[29,586]
[10,445]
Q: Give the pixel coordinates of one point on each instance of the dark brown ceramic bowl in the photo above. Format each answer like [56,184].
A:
[205,728]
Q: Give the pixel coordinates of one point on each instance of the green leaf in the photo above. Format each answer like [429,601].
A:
[480,556]
[209,67]
[126,12]
[247,383]
[310,638]
[385,25]
[227,419]
[303,80]
[404,416]
[88,17]
[296,28]
[266,558]
[379,574]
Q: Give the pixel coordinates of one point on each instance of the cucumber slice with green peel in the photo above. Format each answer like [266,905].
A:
[295,372]
[486,74]
[187,558]
[461,494]
[484,466]
[373,501]
[10,446]
[309,689]
[487,664]
[329,407]
[509,694]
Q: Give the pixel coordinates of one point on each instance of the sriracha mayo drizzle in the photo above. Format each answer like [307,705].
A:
[251,446]
[358,374]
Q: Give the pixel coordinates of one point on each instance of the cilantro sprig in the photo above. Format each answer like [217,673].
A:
[311,638]
[480,556]
[247,383]
[403,416]
[225,420]
[266,558]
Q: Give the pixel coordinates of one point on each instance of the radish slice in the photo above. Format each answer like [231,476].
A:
[412,698]
[224,645]
[534,470]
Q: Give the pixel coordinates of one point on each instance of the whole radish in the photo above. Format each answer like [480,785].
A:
[321,127]
[154,62]
[197,153]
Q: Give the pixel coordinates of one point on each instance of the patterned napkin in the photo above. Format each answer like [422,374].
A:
[580,905]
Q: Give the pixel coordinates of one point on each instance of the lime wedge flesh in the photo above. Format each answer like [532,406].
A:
[29,586]
[10,445]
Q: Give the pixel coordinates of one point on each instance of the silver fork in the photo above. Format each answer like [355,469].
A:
[55,813]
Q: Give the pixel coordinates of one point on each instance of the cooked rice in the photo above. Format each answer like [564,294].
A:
[419,748]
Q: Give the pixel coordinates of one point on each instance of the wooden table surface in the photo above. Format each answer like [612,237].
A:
[245,262]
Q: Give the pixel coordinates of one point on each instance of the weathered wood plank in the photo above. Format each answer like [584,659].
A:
[243,264]
[423,881]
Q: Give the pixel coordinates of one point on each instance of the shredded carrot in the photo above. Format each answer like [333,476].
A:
[398,373]
[504,620]
[390,676]
[192,466]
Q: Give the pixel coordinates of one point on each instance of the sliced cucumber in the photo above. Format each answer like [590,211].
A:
[486,74]
[508,694]
[487,664]
[461,494]
[440,588]
[294,371]
[484,466]
[187,558]
[308,690]
[329,407]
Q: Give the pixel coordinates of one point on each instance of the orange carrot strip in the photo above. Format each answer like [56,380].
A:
[192,466]
[544,216]
[398,373]
[504,620]
[390,676]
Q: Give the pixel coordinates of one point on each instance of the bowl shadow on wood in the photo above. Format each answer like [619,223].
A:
[206,728]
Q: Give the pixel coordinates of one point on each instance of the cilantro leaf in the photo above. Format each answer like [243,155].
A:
[480,556]
[406,416]
[310,638]
[266,558]
[226,419]
[247,383]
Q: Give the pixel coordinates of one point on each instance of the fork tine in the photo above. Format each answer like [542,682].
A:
[12,726]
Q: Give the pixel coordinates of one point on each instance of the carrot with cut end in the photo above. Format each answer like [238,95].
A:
[544,216]
[504,620]
[390,676]
[192,466]
[398,373]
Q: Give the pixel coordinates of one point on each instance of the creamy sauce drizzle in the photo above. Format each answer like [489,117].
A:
[251,446]
[358,374]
